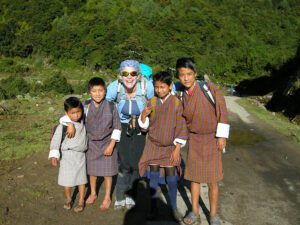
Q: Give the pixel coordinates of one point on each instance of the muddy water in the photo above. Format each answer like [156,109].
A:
[241,137]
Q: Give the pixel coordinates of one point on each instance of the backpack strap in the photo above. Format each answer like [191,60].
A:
[112,107]
[86,106]
[180,95]
[143,85]
[63,135]
[118,97]
[204,87]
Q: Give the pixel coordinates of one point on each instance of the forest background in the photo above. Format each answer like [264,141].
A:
[49,48]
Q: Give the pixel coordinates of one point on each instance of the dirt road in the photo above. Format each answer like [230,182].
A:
[261,185]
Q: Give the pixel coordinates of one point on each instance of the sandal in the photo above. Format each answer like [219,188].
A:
[192,218]
[78,208]
[215,220]
[68,205]
[91,199]
[105,205]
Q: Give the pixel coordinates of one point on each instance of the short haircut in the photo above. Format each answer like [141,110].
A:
[185,63]
[72,102]
[164,77]
[96,81]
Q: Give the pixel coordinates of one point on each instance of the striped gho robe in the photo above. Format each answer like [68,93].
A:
[102,124]
[205,124]
[166,127]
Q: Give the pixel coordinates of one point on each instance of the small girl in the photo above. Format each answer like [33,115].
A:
[72,169]
[167,133]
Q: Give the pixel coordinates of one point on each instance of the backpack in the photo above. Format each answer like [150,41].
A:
[63,135]
[143,84]
[207,93]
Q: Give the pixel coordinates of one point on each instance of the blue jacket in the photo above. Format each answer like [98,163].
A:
[111,96]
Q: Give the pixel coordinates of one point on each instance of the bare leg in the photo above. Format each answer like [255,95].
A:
[107,201]
[93,196]
[93,180]
[195,194]
[213,198]
[81,194]
[68,193]
[108,184]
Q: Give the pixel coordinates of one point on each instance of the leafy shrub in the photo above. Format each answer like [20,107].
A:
[13,86]
[81,87]
[2,94]
[21,68]
[5,63]
[37,88]
[58,83]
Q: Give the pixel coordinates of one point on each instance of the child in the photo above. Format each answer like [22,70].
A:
[104,130]
[72,170]
[204,109]
[167,133]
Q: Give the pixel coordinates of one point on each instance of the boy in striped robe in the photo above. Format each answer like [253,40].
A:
[167,133]
[208,129]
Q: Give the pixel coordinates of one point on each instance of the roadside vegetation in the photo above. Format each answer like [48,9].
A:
[276,120]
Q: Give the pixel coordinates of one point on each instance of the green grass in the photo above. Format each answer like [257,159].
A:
[39,68]
[278,122]
[26,128]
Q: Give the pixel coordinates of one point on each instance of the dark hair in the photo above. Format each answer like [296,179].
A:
[164,77]
[185,63]
[96,81]
[72,102]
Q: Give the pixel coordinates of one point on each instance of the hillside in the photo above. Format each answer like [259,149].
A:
[231,40]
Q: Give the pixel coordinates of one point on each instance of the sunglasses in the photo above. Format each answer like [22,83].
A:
[126,74]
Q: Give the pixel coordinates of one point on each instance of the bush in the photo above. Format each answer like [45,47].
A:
[58,83]
[2,94]
[81,87]
[37,88]
[5,63]
[13,86]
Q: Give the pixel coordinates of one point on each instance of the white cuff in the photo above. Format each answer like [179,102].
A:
[64,120]
[223,130]
[116,135]
[180,141]
[143,125]
[54,153]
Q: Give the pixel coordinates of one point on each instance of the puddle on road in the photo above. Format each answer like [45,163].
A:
[244,137]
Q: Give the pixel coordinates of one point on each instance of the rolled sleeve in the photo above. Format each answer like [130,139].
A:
[180,141]
[143,125]
[223,130]
[54,153]
[116,135]
[64,120]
